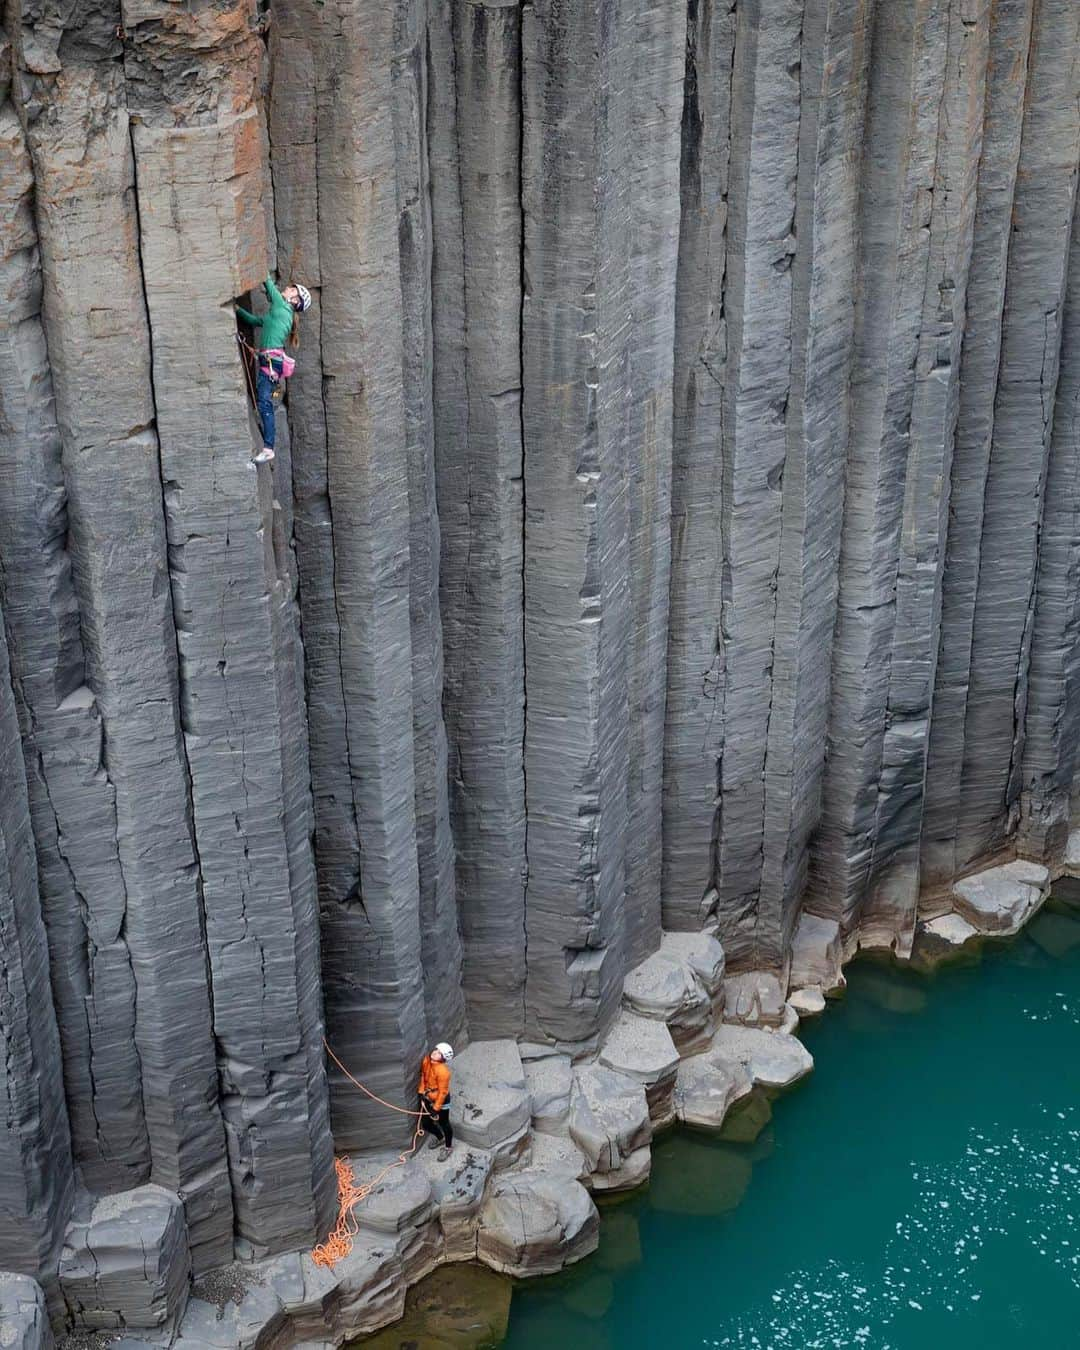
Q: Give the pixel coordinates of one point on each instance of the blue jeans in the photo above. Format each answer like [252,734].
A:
[264,401]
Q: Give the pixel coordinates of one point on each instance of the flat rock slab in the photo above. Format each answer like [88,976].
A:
[807,1002]
[772,1058]
[947,938]
[640,1048]
[24,1323]
[549,1081]
[490,1105]
[555,1155]
[754,999]
[533,1223]
[816,954]
[1002,899]
[457,1187]
[125,1262]
[1072,852]
[609,1116]
[706,1088]
[401,1199]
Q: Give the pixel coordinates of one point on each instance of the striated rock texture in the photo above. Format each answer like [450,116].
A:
[667,580]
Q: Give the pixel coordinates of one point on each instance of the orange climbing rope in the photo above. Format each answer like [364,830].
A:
[339,1243]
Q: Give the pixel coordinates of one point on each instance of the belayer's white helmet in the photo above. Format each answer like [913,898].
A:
[447,1051]
[305,297]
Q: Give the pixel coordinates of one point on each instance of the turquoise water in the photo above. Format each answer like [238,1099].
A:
[920,1190]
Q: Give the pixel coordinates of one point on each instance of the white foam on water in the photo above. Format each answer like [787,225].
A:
[1004,1184]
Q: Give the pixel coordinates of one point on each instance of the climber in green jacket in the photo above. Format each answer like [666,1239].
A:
[280,324]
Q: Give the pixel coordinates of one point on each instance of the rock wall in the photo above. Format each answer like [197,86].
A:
[674,527]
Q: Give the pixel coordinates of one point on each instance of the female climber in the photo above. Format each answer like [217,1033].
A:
[280,324]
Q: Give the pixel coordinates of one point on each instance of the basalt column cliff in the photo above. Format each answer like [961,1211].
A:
[674,530]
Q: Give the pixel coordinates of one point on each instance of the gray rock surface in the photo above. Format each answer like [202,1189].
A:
[609,1117]
[36,1177]
[1001,899]
[533,1223]
[816,954]
[773,1059]
[642,1049]
[24,1321]
[707,1086]
[490,1105]
[672,535]
[126,1262]
[754,999]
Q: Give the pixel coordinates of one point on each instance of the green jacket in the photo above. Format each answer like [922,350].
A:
[276,323]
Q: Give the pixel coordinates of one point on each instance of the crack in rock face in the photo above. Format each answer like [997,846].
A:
[664,587]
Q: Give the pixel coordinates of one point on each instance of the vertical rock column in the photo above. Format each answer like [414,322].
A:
[36,1178]
[988,804]
[1003,119]
[72,802]
[576,379]
[352,534]
[658,65]
[694,727]
[889,909]
[99,339]
[1052,725]
[198,156]
[917,207]
[440,942]
[480,496]
[833,73]
[757,387]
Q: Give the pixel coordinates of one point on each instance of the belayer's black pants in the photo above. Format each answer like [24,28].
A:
[438,1124]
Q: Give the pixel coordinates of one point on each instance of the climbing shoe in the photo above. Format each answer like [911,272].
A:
[444,1153]
[264,455]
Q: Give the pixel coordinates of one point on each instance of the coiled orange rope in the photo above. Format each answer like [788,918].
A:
[340,1242]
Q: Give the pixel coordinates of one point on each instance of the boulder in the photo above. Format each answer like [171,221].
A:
[457,1187]
[490,1106]
[533,1223]
[707,1086]
[363,1292]
[816,954]
[754,999]
[1002,899]
[772,1058]
[24,1322]
[702,953]
[807,1002]
[643,1049]
[125,1261]
[665,989]
[549,1081]
[609,1117]
[1072,852]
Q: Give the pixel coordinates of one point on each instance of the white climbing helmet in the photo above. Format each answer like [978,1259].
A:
[447,1051]
[305,297]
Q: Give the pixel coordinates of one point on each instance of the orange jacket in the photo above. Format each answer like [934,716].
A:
[434,1082]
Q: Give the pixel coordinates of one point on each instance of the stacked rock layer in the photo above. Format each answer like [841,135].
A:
[675,529]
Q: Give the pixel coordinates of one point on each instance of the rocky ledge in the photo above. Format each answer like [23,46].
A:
[537,1135]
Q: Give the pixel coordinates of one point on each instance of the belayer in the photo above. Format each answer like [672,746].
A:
[434,1090]
[280,324]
